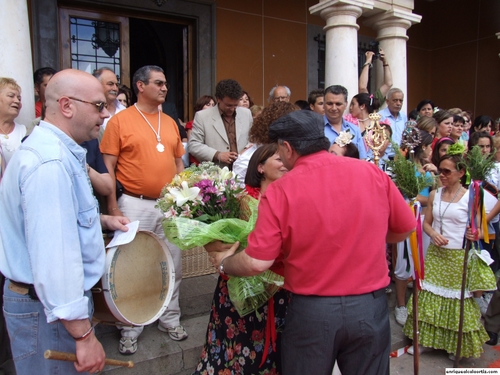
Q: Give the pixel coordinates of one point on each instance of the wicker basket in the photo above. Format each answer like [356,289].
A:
[195,263]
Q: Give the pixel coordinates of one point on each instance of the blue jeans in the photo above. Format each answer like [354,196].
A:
[352,330]
[31,335]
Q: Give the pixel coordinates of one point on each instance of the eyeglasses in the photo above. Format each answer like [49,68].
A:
[160,84]
[446,172]
[100,105]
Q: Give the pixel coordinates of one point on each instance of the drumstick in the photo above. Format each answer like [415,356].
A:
[70,357]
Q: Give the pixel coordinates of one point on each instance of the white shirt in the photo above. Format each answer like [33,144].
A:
[11,144]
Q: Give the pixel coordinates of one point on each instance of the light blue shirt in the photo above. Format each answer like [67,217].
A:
[332,134]
[398,125]
[49,223]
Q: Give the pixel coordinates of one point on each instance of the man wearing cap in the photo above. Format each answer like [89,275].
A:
[335,103]
[332,239]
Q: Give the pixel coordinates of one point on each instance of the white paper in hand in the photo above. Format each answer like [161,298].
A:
[122,238]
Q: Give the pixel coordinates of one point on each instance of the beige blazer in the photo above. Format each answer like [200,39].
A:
[209,134]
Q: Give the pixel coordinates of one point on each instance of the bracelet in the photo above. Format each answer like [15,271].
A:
[367,63]
[114,209]
[85,335]
[386,64]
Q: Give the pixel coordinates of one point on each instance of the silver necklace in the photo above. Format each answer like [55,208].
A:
[442,214]
[159,146]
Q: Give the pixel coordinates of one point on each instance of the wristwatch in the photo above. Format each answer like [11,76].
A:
[221,266]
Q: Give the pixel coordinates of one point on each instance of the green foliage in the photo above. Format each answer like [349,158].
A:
[477,164]
[405,176]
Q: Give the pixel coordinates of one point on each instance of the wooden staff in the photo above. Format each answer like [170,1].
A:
[416,352]
[462,306]
[70,357]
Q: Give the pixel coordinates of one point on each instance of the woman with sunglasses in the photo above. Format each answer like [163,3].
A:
[439,300]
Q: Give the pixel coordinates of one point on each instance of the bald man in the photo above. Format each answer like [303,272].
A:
[279,94]
[53,252]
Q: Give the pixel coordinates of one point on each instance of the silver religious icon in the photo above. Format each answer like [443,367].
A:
[160,147]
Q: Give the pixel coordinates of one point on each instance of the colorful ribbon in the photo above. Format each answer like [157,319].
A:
[416,245]
[476,205]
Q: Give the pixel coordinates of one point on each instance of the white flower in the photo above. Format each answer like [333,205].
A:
[184,193]
[344,138]
[226,174]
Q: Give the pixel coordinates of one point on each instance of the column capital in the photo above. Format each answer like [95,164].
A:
[393,23]
[328,8]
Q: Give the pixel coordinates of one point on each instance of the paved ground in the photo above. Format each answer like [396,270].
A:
[433,363]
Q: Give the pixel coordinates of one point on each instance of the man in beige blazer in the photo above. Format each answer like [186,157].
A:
[220,133]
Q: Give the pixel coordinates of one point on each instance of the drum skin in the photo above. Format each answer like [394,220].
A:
[138,282]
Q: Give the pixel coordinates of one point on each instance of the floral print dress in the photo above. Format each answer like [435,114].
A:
[235,344]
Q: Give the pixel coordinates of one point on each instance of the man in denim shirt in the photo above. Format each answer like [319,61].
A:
[52,250]
[335,105]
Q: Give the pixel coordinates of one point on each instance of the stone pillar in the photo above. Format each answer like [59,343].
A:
[341,49]
[391,29]
[15,59]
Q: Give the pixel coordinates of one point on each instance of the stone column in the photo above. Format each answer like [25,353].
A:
[15,59]
[391,29]
[341,49]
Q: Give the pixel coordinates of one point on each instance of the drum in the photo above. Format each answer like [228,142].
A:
[138,282]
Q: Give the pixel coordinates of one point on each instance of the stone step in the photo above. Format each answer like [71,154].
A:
[157,353]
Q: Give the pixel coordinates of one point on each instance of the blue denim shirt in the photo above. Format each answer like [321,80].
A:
[49,223]
[332,134]
[398,125]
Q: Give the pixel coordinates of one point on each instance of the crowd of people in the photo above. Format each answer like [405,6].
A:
[300,161]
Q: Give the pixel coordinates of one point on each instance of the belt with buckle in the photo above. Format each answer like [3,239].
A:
[23,289]
[140,196]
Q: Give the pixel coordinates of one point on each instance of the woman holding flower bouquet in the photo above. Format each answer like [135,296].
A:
[439,300]
[248,344]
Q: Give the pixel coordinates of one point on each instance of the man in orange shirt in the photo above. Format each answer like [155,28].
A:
[142,150]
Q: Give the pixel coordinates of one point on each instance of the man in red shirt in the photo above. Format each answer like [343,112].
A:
[330,217]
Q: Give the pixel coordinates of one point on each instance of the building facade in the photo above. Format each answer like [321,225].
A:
[445,50]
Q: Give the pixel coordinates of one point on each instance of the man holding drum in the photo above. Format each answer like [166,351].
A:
[142,149]
[52,250]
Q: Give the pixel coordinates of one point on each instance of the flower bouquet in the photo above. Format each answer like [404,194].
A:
[205,203]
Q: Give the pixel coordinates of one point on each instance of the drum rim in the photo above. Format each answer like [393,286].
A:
[115,311]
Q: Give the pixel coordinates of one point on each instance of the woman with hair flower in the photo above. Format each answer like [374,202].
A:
[446,222]
[343,146]
[247,344]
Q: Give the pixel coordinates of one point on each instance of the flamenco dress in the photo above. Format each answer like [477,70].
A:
[439,299]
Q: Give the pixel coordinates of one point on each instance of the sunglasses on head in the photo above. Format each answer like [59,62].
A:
[446,171]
